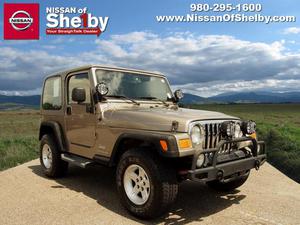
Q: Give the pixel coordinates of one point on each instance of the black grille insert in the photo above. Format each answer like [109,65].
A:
[212,137]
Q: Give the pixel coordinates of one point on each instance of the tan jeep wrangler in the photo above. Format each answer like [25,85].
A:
[130,119]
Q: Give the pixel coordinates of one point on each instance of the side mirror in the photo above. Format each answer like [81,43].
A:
[178,95]
[102,89]
[78,95]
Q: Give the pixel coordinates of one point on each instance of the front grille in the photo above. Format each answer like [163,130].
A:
[212,137]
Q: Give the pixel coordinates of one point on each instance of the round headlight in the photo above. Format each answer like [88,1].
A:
[237,131]
[227,128]
[196,135]
[249,127]
[102,89]
[231,129]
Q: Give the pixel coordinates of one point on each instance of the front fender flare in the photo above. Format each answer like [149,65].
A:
[153,139]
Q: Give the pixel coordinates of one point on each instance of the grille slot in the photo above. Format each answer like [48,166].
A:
[212,137]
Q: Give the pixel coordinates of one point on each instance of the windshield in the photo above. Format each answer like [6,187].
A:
[135,86]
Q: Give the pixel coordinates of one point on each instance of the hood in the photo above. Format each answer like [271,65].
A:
[158,118]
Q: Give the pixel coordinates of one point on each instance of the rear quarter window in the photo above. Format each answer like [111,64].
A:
[52,99]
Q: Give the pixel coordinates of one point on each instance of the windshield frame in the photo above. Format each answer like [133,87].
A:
[138,72]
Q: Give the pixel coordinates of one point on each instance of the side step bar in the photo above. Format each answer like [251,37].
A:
[76,160]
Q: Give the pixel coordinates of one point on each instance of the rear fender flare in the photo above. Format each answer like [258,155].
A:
[56,130]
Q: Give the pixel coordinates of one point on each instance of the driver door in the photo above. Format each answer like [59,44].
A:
[80,118]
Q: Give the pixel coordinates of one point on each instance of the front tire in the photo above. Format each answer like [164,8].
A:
[146,185]
[228,186]
[50,158]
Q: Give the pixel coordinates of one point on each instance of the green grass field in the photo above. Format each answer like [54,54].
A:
[278,125]
[18,137]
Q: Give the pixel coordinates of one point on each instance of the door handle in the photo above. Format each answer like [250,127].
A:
[69,110]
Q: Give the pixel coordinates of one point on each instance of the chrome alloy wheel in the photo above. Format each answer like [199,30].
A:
[47,156]
[136,184]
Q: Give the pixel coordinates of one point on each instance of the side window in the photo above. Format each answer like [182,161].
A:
[52,99]
[79,81]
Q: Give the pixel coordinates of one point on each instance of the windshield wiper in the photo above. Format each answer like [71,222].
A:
[124,97]
[156,99]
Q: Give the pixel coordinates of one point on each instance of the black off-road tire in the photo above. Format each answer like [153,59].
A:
[163,183]
[58,167]
[228,186]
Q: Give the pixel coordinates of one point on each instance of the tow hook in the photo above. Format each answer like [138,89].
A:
[220,175]
[257,165]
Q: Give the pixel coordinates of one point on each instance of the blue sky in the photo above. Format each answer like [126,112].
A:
[201,58]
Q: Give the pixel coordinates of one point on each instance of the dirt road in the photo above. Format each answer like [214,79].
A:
[89,197]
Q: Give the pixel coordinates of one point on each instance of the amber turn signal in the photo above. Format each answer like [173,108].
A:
[253,135]
[185,143]
[163,145]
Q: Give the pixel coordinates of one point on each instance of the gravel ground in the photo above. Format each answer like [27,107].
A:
[88,196]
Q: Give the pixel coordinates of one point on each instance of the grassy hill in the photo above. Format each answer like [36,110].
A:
[15,107]
[32,100]
[18,137]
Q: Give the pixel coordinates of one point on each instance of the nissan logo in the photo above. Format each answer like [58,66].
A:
[20,20]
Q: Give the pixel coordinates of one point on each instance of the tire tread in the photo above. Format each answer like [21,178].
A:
[164,178]
[59,167]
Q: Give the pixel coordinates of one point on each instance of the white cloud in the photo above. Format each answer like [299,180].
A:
[37,91]
[208,89]
[292,30]
[206,64]
[61,40]
[133,37]
[19,42]
[187,58]
[113,49]
[25,70]
[49,47]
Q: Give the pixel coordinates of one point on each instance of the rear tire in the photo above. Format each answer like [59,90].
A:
[50,158]
[228,186]
[161,186]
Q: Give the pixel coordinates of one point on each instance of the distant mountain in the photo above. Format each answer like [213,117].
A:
[257,97]
[192,99]
[229,97]
[33,100]
[244,97]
